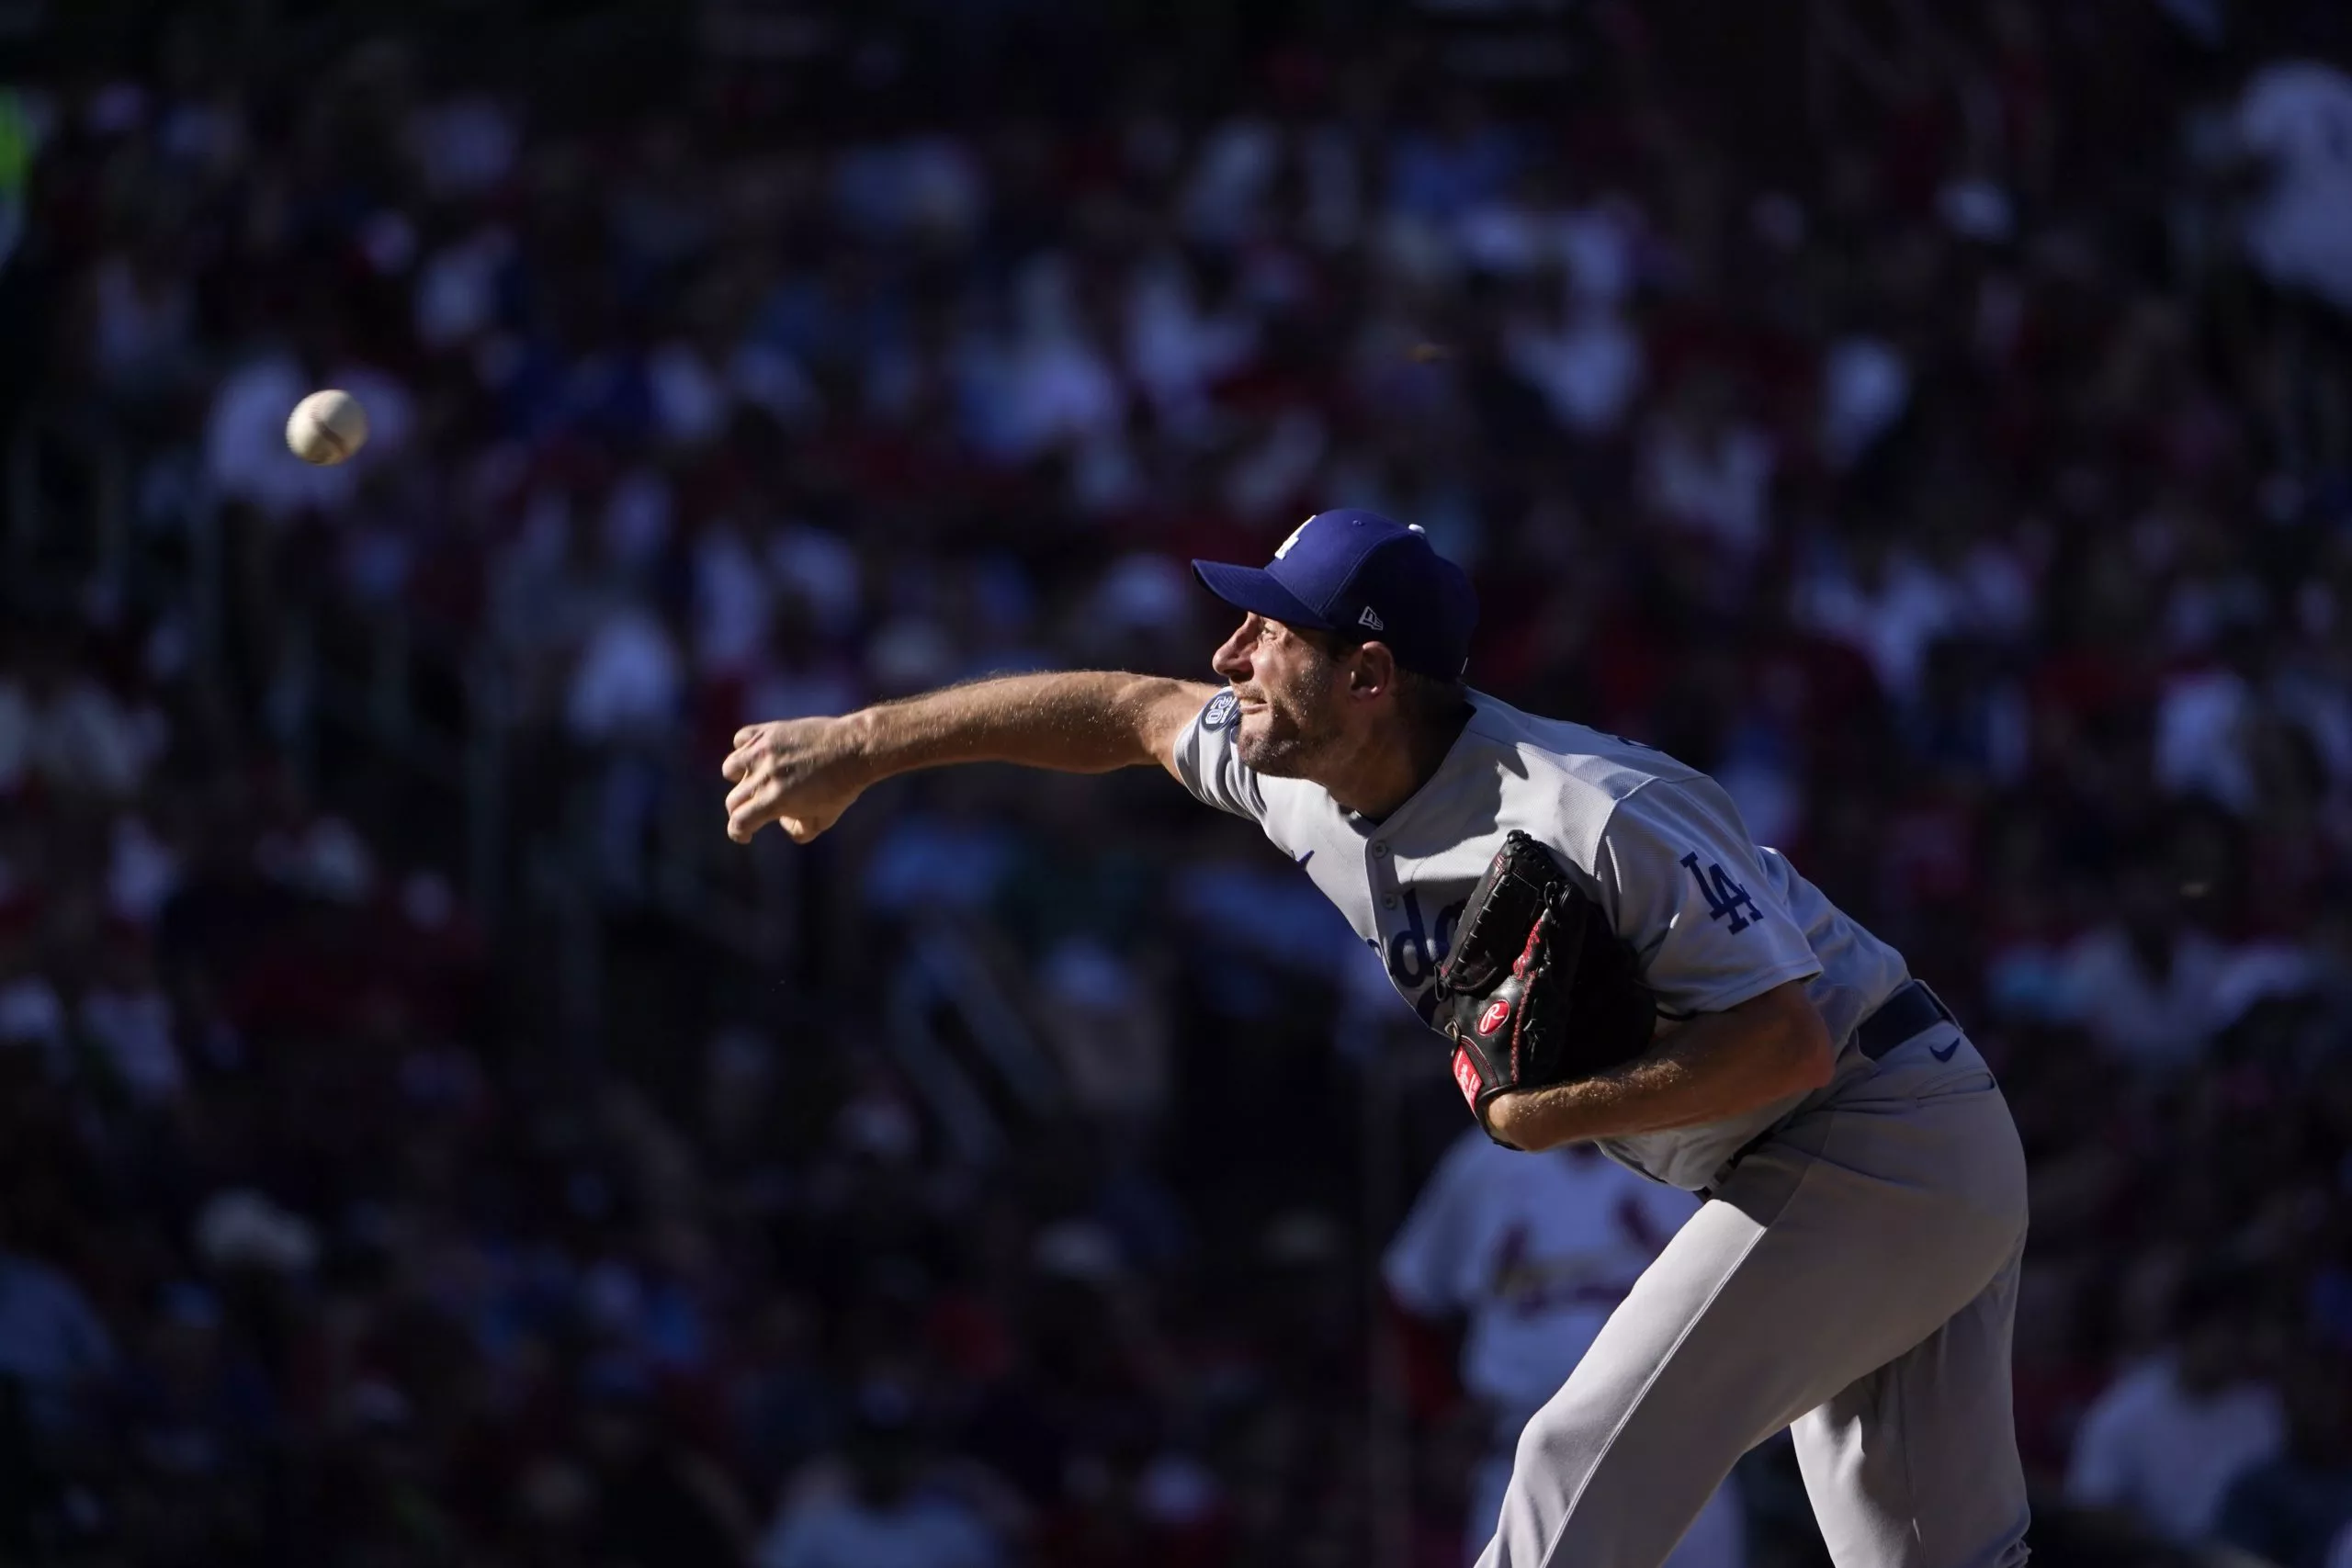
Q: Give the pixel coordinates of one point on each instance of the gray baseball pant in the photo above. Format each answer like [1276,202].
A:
[1854,1280]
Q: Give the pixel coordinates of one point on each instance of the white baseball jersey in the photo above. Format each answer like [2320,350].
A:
[1535,1251]
[1715,919]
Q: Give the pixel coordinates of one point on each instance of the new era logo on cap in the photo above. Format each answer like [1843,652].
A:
[1336,565]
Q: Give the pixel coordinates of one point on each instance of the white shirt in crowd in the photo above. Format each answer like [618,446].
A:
[51,1340]
[2148,1448]
[733,599]
[1865,387]
[2297,115]
[1717,486]
[1890,617]
[1536,1251]
[83,739]
[131,1027]
[846,1532]
[628,681]
[1587,366]
[2161,1024]
[2203,719]
[33,1013]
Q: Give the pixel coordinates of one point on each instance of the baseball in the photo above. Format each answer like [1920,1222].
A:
[327,427]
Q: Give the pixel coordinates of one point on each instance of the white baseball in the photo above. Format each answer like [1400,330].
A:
[327,427]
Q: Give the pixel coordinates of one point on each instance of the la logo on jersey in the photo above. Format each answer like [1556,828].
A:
[1724,896]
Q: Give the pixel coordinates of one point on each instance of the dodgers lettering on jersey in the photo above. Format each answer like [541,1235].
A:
[1715,919]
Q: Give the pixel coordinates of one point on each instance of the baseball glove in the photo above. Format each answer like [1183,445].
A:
[1538,989]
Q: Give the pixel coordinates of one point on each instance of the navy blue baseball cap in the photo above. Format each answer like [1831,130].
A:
[1367,579]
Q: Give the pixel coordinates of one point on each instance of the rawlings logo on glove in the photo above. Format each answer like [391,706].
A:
[1537,989]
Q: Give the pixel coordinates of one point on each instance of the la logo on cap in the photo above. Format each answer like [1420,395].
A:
[1357,572]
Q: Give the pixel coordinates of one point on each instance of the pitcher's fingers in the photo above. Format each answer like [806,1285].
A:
[741,761]
[760,785]
[745,736]
[750,816]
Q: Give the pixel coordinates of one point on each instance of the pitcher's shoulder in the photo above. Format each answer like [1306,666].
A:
[1564,782]
[1613,765]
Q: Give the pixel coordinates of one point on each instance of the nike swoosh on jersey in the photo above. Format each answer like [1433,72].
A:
[1944,1054]
[1304,858]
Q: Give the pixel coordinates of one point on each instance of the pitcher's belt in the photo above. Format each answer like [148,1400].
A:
[1911,1011]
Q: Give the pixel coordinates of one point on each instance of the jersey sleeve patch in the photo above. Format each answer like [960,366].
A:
[1210,766]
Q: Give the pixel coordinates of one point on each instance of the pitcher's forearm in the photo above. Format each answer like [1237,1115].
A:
[1081,721]
[1717,1066]
[802,774]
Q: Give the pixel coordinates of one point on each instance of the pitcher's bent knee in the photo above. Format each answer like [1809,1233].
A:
[1561,1443]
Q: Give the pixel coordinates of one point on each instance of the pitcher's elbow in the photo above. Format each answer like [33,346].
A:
[1814,1054]
[1807,1056]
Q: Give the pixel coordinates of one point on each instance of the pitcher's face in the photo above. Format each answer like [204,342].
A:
[1290,692]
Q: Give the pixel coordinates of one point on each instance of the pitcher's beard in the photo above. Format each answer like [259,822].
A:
[1290,755]
[1290,745]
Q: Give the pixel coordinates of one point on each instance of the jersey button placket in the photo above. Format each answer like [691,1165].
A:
[1381,877]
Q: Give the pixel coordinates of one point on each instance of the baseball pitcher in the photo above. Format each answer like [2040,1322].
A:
[1611,959]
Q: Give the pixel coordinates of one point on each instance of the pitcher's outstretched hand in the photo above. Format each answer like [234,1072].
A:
[800,773]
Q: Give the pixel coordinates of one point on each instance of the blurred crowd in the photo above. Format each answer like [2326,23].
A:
[1936,422]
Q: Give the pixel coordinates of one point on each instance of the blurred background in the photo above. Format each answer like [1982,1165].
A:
[424,1139]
